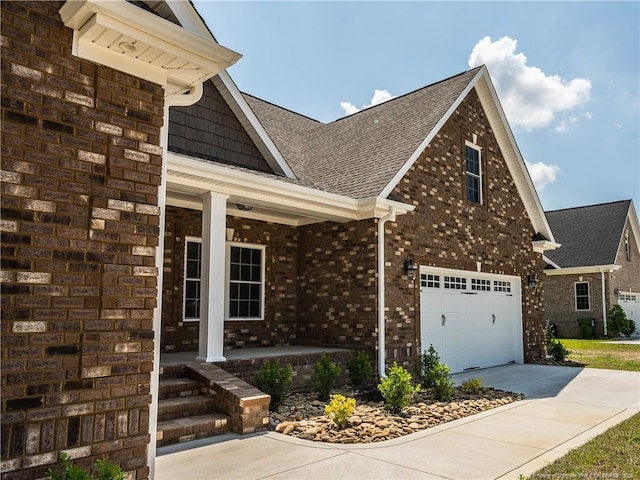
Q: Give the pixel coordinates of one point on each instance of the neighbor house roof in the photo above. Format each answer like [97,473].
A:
[589,235]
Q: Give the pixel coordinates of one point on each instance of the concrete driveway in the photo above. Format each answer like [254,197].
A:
[564,408]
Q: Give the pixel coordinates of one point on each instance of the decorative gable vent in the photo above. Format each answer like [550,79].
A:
[122,36]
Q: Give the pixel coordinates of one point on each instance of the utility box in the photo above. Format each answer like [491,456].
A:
[587,327]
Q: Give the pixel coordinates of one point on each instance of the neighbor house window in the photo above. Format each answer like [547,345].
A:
[192,278]
[245,286]
[474,173]
[582,296]
[627,248]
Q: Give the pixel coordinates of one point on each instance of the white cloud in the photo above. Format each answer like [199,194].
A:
[379,96]
[542,174]
[531,99]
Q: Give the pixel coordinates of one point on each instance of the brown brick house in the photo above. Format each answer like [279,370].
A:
[597,266]
[151,210]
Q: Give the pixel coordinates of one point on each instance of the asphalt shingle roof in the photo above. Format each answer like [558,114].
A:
[357,156]
[589,235]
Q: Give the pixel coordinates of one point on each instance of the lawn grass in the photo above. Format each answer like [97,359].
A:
[604,354]
[613,454]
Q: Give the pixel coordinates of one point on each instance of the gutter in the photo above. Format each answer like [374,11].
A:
[194,95]
[381,291]
[604,303]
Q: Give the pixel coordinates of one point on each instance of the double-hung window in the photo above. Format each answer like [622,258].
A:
[245,281]
[473,162]
[582,296]
[192,278]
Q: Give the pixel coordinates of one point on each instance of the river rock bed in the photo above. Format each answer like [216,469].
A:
[301,415]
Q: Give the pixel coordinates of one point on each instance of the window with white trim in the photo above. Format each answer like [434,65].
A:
[480,285]
[245,281]
[192,278]
[627,247]
[582,296]
[455,283]
[473,166]
[430,281]
[501,286]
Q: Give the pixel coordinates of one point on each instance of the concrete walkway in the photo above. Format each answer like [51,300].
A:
[564,408]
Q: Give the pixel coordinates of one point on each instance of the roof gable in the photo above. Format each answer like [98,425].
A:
[590,235]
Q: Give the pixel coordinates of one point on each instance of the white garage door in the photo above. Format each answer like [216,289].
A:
[472,319]
[630,303]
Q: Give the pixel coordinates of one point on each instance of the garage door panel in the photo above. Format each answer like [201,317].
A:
[482,327]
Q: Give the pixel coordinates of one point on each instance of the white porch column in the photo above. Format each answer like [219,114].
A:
[214,207]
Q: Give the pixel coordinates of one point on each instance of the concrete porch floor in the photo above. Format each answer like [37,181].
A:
[248,353]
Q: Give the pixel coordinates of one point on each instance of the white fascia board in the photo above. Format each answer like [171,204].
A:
[189,18]
[241,108]
[267,191]
[582,270]
[548,261]
[635,226]
[513,157]
[541,246]
[386,191]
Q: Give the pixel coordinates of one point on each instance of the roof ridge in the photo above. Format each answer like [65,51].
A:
[282,108]
[387,102]
[588,206]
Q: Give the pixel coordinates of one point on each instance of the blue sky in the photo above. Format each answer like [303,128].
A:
[567,73]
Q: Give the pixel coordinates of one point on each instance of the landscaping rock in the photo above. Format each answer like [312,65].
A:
[302,416]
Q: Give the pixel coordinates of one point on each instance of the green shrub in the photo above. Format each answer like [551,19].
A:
[275,380]
[104,471]
[427,362]
[549,334]
[442,385]
[557,350]
[473,386]
[618,321]
[340,409]
[326,374]
[397,389]
[359,368]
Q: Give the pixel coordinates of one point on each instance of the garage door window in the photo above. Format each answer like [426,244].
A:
[582,296]
[500,286]
[480,285]
[430,281]
[455,283]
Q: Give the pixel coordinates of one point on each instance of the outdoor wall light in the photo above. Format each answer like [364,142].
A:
[244,208]
[532,280]
[410,267]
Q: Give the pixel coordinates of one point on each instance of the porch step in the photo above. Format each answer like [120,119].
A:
[180,430]
[177,386]
[181,407]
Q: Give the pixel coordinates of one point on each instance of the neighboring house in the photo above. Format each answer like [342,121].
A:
[150,206]
[598,265]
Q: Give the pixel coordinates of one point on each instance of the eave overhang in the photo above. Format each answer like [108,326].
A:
[582,270]
[122,36]
[541,246]
[264,197]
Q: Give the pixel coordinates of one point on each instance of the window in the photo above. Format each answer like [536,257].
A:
[474,174]
[245,295]
[627,249]
[582,296]
[481,285]
[501,286]
[430,281]
[192,278]
[455,283]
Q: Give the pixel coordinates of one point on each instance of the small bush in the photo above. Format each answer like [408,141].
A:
[618,321]
[629,328]
[557,350]
[359,368]
[339,410]
[275,380]
[397,389]
[326,374]
[426,364]
[549,333]
[104,470]
[442,385]
[473,386]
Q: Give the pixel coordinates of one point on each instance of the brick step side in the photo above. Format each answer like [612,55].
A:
[178,387]
[180,430]
[180,407]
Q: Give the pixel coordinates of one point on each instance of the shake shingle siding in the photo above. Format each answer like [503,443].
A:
[210,130]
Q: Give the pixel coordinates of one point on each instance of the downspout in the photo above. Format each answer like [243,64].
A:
[381,291]
[604,303]
[184,100]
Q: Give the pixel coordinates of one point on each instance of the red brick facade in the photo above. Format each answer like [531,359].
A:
[81,165]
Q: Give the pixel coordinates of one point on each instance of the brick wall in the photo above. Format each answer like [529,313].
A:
[337,285]
[280,324]
[628,277]
[81,165]
[447,231]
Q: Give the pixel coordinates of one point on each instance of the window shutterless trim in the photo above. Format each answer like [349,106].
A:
[228,281]
[186,279]
[582,296]
[470,174]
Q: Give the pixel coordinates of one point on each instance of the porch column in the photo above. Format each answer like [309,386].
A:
[214,208]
